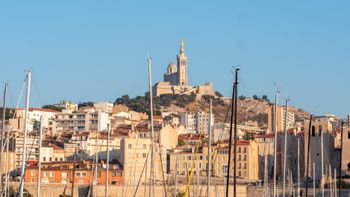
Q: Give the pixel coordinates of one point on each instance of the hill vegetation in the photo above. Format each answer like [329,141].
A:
[252,111]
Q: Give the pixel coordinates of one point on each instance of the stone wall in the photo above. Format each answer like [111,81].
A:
[54,190]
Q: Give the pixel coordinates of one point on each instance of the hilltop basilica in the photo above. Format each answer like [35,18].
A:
[176,79]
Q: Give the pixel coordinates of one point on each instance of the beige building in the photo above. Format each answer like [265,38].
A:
[101,141]
[32,149]
[34,115]
[176,79]
[188,158]
[135,155]
[10,159]
[104,107]
[345,153]
[168,137]
[52,152]
[281,119]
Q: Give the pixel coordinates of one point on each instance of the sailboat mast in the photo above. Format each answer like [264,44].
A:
[298,168]
[96,165]
[230,140]
[2,133]
[335,182]
[285,148]
[275,143]
[265,170]
[24,153]
[149,61]
[176,167]
[107,160]
[341,156]
[322,163]
[308,157]
[209,148]
[313,179]
[39,160]
[235,138]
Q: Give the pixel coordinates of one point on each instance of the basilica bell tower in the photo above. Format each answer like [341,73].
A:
[182,77]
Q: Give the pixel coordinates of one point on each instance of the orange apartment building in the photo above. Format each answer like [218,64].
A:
[62,172]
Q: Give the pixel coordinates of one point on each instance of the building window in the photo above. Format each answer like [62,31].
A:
[64,175]
[320,130]
[313,131]
[51,174]
[44,159]
[84,174]
[32,173]
[144,155]
[224,169]
[129,146]
[114,174]
[77,174]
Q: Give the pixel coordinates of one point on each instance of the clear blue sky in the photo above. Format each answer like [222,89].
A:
[96,50]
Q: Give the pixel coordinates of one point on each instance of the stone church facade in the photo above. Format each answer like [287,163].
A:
[176,79]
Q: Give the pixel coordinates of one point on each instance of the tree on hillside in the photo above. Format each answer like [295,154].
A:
[264,97]
[52,107]
[8,114]
[242,97]
[218,94]
[255,97]
[85,104]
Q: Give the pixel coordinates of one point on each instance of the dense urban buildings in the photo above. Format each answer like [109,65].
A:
[86,143]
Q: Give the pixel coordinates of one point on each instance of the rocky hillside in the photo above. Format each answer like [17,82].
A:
[251,111]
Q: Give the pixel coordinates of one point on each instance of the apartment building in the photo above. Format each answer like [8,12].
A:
[188,158]
[196,122]
[80,121]
[51,152]
[135,155]
[99,144]
[64,172]
[32,148]
[35,115]
[281,119]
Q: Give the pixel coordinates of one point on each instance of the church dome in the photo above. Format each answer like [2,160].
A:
[172,68]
